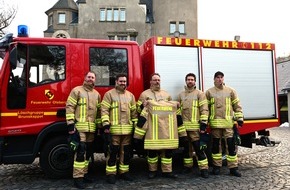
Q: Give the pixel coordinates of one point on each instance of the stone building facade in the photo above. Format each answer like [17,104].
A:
[135,20]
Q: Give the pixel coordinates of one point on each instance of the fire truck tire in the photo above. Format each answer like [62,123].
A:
[56,160]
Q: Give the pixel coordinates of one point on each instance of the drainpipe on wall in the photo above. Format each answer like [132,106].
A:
[287,89]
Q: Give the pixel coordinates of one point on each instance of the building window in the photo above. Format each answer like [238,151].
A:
[107,63]
[172,27]
[113,14]
[116,14]
[50,20]
[109,14]
[181,27]
[122,15]
[61,18]
[123,37]
[102,14]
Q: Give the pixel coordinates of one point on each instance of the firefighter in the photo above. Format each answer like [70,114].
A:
[161,125]
[82,116]
[153,93]
[194,111]
[118,110]
[224,109]
[156,94]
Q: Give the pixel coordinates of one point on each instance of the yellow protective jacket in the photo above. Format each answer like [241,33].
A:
[194,108]
[83,108]
[161,127]
[224,107]
[118,109]
[151,94]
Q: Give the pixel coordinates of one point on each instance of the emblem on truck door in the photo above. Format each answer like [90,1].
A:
[49,94]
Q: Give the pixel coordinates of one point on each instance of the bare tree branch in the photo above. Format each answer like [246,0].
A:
[7,14]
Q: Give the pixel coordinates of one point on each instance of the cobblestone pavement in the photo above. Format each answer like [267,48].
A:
[261,168]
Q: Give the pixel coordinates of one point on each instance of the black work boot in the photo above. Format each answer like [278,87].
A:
[216,170]
[204,173]
[169,175]
[152,174]
[111,179]
[126,177]
[235,172]
[186,170]
[88,178]
[79,183]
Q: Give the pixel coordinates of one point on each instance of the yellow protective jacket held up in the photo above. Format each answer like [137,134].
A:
[82,108]
[224,107]
[194,108]
[162,127]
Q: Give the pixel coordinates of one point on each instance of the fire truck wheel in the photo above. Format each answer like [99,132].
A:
[56,160]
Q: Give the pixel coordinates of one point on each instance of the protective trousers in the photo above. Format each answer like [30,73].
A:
[166,160]
[194,144]
[120,145]
[231,154]
[83,155]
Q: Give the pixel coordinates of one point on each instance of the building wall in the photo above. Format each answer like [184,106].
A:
[90,25]
[166,11]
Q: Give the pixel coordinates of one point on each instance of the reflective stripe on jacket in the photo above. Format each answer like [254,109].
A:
[83,108]
[194,108]
[118,109]
[224,107]
[161,126]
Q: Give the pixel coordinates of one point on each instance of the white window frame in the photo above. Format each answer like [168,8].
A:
[122,14]
[115,14]
[61,18]
[181,27]
[110,14]
[102,14]
[172,27]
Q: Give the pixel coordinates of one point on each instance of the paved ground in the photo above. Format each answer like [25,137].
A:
[261,167]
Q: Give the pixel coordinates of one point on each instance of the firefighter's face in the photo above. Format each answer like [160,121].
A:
[219,80]
[122,82]
[190,81]
[155,81]
[90,78]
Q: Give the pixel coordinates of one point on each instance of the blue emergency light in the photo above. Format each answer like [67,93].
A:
[22,31]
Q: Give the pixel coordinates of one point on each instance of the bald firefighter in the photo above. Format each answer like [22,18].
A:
[155,93]
[82,116]
[161,124]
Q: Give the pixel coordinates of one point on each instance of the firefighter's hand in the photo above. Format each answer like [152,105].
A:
[204,139]
[145,102]
[203,127]
[237,139]
[74,140]
[71,128]
[240,123]
[107,128]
